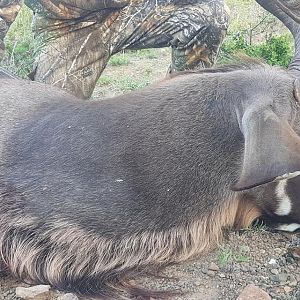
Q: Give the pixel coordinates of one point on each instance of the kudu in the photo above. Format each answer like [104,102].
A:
[93,193]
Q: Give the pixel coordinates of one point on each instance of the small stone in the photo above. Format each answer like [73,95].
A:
[222,275]
[283,277]
[68,296]
[291,267]
[275,278]
[272,261]
[38,292]
[274,271]
[236,268]
[253,272]
[287,289]
[214,267]
[245,248]
[282,261]
[293,283]
[211,273]
[245,269]
[290,260]
[252,292]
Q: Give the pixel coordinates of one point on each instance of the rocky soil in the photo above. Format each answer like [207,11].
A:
[267,260]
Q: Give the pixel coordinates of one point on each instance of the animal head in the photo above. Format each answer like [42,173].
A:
[271,130]
[270,124]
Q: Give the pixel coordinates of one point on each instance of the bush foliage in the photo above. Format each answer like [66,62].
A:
[277,50]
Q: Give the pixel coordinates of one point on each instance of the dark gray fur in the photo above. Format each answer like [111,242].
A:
[138,155]
[126,162]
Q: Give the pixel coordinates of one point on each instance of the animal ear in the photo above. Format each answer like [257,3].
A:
[272,149]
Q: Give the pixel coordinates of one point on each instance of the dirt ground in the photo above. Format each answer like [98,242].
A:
[252,256]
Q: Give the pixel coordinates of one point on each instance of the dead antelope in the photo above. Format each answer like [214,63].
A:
[93,193]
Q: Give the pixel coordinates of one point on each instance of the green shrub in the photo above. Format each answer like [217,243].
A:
[277,50]
[127,83]
[233,44]
[105,80]
[145,53]
[119,60]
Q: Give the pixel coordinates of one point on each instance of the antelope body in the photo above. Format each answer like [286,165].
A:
[93,193]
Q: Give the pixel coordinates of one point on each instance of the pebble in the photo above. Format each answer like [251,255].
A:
[274,278]
[222,275]
[38,292]
[274,271]
[211,273]
[290,260]
[245,248]
[214,267]
[245,269]
[252,292]
[283,277]
[287,289]
[280,278]
[272,261]
[293,283]
[68,296]
[282,261]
